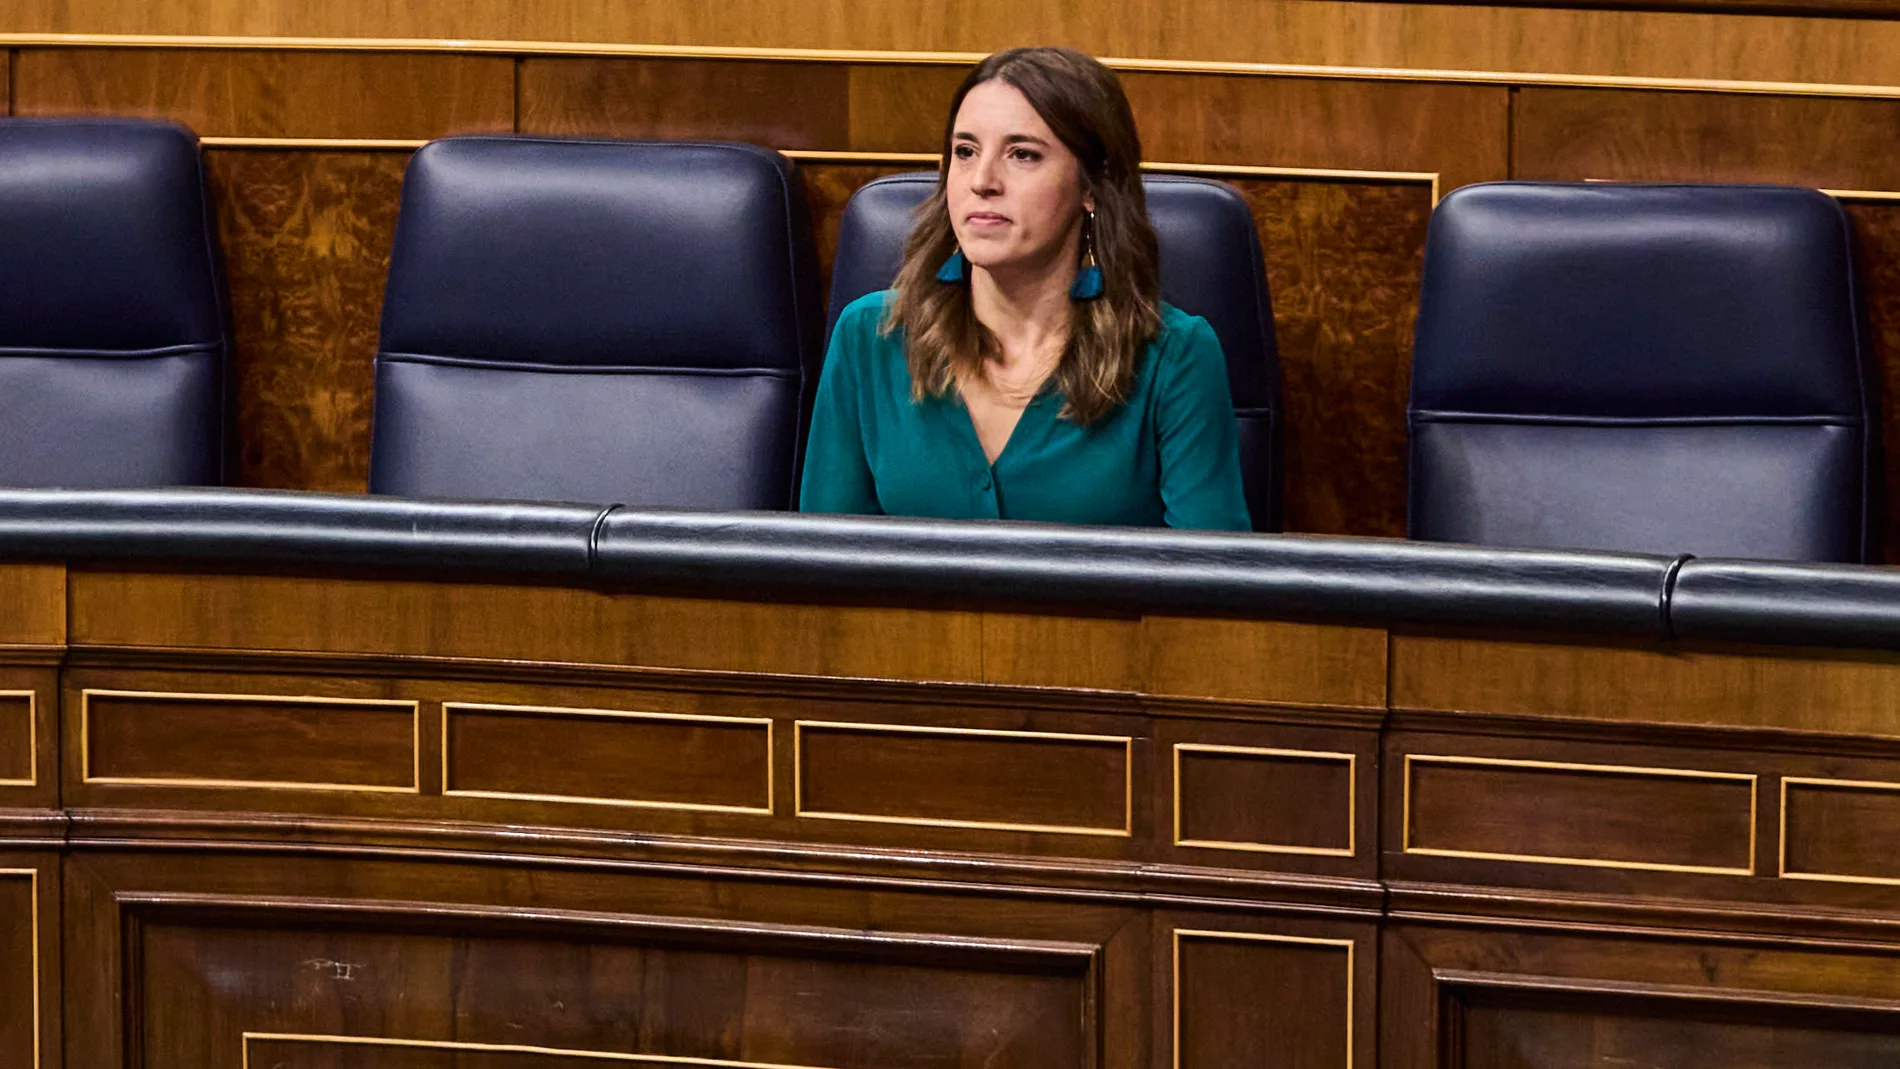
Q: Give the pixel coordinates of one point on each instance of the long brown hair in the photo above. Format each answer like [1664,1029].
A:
[1083,103]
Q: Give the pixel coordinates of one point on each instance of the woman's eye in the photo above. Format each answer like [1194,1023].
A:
[963,152]
[1026,155]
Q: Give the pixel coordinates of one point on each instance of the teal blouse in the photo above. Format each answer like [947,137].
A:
[1168,456]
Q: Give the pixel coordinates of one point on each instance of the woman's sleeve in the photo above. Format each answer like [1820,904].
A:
[837,475]
[1198,440]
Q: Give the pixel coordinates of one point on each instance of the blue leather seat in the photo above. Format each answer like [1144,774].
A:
[1210,267]
[113,328]
[1666,368]
[621,321]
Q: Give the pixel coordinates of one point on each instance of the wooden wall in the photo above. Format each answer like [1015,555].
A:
[305,148]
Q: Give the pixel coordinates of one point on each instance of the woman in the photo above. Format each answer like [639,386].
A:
[1023,366]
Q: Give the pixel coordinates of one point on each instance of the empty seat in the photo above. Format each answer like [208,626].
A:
[113,328]
[616,321]
[1666,368]
[1210,267]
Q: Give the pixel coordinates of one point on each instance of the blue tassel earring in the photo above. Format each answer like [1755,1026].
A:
[955,269]
[1088,281]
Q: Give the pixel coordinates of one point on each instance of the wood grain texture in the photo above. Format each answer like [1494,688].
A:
[1836,829]
[1328,32]
[1343,268]
[274,94]
[1877,227]
[779,105]
[901,108]
[828,188]
[1265,660]
[19,759]
[35,597]
[20,966]
[1458,132]
[306,239]
[6,82]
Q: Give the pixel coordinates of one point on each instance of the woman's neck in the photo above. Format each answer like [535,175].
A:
[1027,308]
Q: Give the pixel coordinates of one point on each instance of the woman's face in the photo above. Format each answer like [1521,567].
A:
[1014,190]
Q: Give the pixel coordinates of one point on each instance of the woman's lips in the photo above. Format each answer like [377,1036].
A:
[981,219]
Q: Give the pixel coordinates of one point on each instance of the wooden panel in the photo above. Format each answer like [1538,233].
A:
[6,82]
[901,108]
[1266,1001]
[1563,813]
[828,188]
[35,597]
[306,240]
[1877,228]
[966,778]
[20,967]
[274,94]
[1456,131]
[1839,830]
[248,740]
[608,757]
[1839,691]
[556,624]
[780,105]
[1343,267]
[1265,800]
[19,736]
[1062,651]
[1265,660]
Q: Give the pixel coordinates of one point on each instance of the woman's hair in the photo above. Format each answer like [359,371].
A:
[1083,103]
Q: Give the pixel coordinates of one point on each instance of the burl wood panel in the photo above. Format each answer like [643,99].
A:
[1265,799]
[306,238]
[382,993]
[19,730]
[562,625]
[35,600]
[779,105]
[1839,830]
[608,757]
[1848,692]
[950,777]
[274,93]
[1268,1001]
[1877,226]
[207,740]
[20,966]
[1344,261]
[1574,813]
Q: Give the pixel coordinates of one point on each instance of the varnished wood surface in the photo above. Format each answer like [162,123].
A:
[1433,37]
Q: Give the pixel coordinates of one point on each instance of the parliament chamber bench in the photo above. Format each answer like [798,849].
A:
[340,781]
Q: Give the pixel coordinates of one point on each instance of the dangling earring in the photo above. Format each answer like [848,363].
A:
[1088,281]
[955,269]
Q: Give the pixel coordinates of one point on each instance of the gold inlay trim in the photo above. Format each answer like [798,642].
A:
[1352,800]
[359,143]
[32,738]
[1781,859]
[1126,742]
[506,1048]
[33,942]
[85,741]
[1256,937]
[938,59]
[1863,194]
[1405,819]
[616,714]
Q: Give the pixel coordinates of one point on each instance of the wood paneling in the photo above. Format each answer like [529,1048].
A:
[224,740]
[896,108]
[274,94]
[780,105]
[951,777]
[1833,829]
[6,82]
[1265,660]
[35,597]
[1574,813]
[1326,32]
[306,239]
[828,188]
[552,624]
[1265,799]
[1877,227]
[608,757]
[20,966]
[1273,1001]
[18,727]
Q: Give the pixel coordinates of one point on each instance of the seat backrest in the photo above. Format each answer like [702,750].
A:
[113,327]
[1210,267]
[625,321]
[1668,368]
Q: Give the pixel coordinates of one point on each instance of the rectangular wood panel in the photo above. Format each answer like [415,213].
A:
[1262,1001]
[20,1037]
[1265,800]
[1265,660]
[779,105]
[965,777]
[274,94]
[1560,813]
[360,1052]
[35,597]
[248,740]
[607,757]
[1839,830]
[19,736]
[901,108]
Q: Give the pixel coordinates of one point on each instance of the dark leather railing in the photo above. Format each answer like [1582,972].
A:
[1132,570]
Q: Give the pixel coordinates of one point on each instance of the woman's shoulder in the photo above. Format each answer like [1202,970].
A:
[1183,341]
[866,313]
